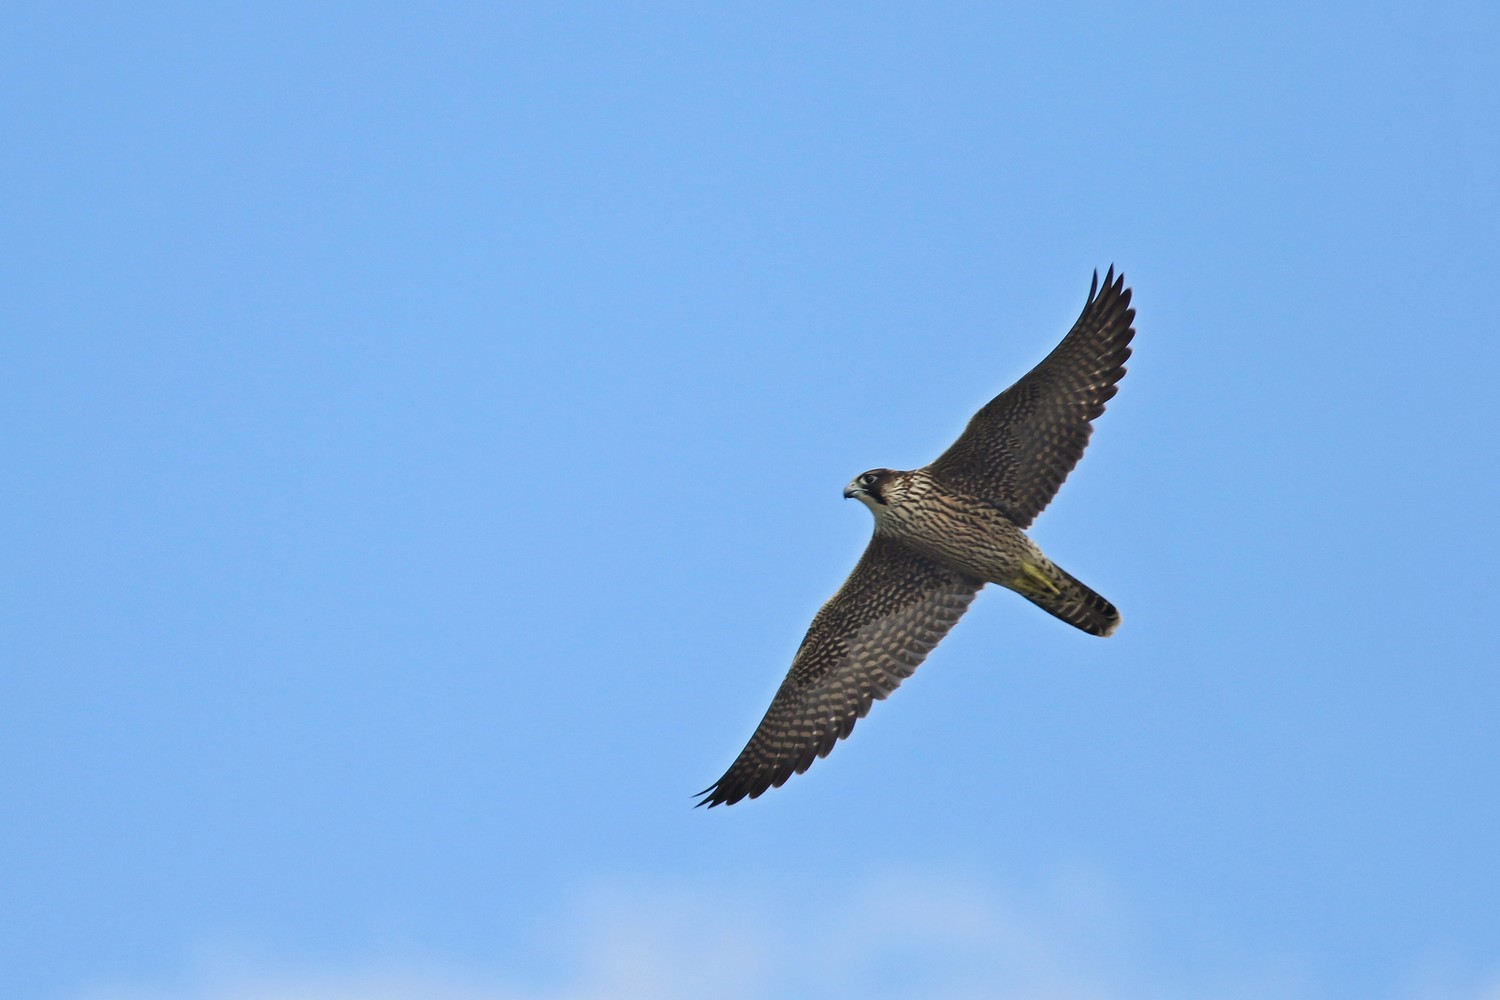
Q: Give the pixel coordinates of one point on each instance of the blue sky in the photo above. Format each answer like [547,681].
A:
[426,427]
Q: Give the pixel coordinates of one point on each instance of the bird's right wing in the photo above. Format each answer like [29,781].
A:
[865,641]
[1021,445]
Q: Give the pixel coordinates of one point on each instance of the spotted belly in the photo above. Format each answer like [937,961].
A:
[975,539]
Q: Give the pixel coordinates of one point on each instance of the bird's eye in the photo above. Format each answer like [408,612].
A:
[868,479]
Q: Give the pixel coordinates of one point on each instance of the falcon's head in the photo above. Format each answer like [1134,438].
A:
[867,487]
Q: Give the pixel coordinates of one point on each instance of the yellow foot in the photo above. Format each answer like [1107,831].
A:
[1031,580]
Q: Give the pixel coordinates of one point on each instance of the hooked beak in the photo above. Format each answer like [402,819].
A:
[851,491]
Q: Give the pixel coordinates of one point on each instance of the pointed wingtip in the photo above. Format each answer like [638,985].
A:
[1111,279]
[717,795]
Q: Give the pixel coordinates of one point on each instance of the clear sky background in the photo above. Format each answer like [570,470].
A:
[424,429]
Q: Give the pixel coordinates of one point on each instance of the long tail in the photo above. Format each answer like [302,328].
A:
[1058,593]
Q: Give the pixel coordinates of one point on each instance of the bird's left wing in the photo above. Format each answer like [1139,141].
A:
[865,641]
[1019,447]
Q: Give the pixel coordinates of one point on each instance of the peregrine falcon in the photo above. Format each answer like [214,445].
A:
[941,533]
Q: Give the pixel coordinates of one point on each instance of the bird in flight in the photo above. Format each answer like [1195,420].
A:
[941,533]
